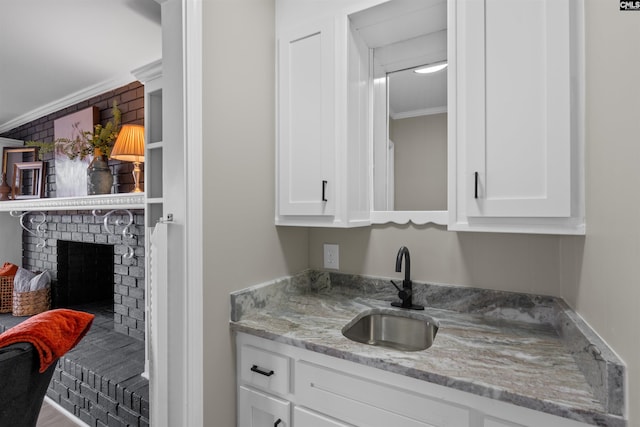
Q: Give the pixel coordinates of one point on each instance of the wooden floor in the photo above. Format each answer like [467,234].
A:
[50,416]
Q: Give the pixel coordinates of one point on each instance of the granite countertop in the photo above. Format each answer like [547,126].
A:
[532,351]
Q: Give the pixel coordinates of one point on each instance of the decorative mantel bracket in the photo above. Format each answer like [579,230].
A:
[40,221]
[118,202]
[126,230]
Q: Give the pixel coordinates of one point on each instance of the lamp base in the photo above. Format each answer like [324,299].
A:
[137,173]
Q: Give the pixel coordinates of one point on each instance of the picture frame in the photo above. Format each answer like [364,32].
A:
[27,175]
[12,155]
[71,174]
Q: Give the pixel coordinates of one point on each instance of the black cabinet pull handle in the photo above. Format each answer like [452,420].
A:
[277,423]
[476,185]
[257,370]
[324,188]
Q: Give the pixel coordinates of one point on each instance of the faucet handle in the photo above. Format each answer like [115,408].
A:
[403,293]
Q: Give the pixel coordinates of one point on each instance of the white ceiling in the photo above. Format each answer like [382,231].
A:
[405,34]
[52,49]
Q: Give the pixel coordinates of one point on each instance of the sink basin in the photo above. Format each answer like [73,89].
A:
[398,330]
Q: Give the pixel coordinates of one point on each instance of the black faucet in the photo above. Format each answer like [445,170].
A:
[406,293]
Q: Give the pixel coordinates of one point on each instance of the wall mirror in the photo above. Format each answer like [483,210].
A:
[404,38]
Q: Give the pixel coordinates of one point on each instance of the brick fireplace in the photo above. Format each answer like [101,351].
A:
[84,228]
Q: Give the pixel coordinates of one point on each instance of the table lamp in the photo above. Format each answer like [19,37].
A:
[129,147]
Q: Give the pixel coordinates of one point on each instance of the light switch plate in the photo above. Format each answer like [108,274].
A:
[331,256]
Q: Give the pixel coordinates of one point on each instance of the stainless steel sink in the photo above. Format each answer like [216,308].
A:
[398,330]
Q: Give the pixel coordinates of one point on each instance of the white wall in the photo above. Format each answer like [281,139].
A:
[242,247]
[597,274]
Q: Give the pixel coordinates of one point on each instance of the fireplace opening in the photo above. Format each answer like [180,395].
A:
[85,274]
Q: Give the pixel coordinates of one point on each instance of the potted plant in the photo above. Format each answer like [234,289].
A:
[97,142]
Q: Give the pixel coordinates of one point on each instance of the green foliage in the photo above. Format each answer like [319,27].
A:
[102,138]
[43,147]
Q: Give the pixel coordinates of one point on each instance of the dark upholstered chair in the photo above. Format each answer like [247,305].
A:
[22,387]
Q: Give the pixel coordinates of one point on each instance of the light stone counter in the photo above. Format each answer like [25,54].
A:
[528,350]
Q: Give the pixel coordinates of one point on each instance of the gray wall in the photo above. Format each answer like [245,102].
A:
[242,245]
[601,272]
[420,162]
[598,274]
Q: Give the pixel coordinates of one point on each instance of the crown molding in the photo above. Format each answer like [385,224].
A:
[148,72]
[69,100]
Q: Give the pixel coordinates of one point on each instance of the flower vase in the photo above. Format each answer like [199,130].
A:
[99,177]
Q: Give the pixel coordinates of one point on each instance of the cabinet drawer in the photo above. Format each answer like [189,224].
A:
[265,370]
[364,402]
[494,422]
[256,409]
[305,418]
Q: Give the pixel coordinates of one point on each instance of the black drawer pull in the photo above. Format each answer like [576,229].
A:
[324,191]
[257,370]
[277,423]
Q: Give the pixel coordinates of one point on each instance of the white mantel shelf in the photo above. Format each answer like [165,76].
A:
[101,202]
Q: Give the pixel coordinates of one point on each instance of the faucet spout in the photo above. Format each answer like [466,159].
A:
[403,252]
[406,293]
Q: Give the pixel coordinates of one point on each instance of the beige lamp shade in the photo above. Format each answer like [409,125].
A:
[130,144]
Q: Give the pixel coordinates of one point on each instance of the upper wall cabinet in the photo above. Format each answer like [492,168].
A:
[496,144]
[322,119]
[515,138]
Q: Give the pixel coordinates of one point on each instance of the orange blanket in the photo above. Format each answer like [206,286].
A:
[8,269]
[52,333]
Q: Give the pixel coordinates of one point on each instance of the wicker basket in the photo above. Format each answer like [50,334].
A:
[30,303]
[6,294]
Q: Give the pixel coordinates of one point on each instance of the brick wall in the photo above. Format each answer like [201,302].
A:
[128,278]
[130,101]
[97,399]
[81,226]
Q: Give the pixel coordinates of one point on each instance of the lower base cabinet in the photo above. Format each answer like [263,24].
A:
[284,386]
[262,410]
[307,418]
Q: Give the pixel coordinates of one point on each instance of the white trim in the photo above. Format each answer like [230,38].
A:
[194,348]
[415,217]
[74,98]
[102,201]
[148,72]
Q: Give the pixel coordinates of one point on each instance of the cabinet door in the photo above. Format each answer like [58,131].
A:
[306,131]
[365,402]
[515,107]
[256,409]
[305,418]
[494,422]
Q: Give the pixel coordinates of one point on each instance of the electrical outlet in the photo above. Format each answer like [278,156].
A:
[331,256]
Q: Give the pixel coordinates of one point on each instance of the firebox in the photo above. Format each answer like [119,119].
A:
[85,274]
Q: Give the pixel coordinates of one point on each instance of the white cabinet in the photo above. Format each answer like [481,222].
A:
[363,401]
[515,115]
[307,134]
[321,138]
[516,149]
[151,76]
[256,409]
[324,391]
[263,394]
[307,418]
